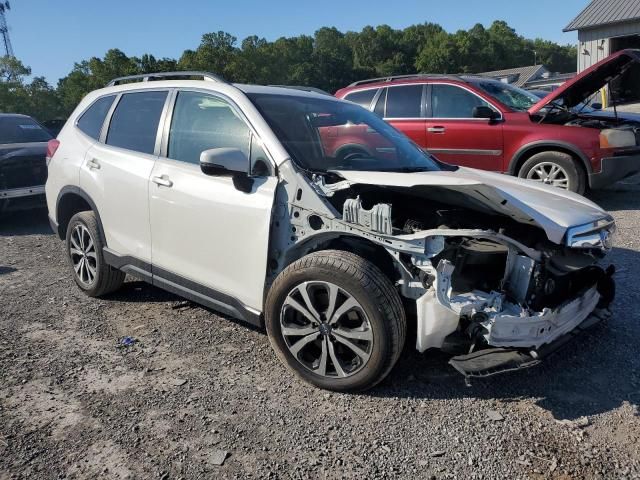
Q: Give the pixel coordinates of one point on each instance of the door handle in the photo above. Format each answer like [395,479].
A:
[163,180]
[436,129]
[93,164]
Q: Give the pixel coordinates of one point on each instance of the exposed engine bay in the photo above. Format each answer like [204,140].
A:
[480,276]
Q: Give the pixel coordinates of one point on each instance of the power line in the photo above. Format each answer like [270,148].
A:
[4,28]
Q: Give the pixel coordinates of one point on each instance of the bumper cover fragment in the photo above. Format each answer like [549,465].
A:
[492,361]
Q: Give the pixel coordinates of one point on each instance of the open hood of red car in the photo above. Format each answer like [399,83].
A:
[585,84]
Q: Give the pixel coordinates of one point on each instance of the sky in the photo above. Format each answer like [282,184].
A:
[50,36]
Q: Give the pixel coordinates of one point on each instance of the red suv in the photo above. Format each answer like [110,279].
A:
[491,125]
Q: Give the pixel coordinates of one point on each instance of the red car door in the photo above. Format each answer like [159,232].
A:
[453,134]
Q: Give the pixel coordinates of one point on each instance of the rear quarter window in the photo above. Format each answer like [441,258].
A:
[92,119]
[362,98]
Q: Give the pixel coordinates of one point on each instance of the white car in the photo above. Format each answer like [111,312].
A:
[249,200]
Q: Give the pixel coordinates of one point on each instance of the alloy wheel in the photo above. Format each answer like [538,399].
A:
[83,255]
[549,173]
[326,329]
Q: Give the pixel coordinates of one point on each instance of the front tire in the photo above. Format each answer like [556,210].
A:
[336,320]
[558,169]
[84,250]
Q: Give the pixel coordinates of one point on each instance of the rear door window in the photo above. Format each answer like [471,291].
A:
[404,101]
[92,119]
[449,101]
[362,98]
[19,129]
[134,124]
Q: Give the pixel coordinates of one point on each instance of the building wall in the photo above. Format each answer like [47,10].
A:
[592,39]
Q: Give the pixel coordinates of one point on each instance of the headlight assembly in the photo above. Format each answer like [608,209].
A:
[597,234]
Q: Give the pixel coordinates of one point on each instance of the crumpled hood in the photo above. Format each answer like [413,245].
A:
[551,208]
[586,83]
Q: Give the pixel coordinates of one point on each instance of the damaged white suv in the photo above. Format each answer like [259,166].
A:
[251,200]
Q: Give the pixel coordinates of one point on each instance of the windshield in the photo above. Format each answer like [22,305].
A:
[325,134]
[21,130]
[513,97]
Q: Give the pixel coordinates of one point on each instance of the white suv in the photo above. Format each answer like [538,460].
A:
[310,215]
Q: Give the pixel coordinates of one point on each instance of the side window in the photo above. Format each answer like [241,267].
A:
[201,122]
[382,99]
[362,98]
[134,123]
[92,119]
[404,102]
[449,101]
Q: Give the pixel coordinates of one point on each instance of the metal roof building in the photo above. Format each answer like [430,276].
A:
[604,27]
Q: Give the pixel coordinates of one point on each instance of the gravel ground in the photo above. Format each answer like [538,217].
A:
[196,390]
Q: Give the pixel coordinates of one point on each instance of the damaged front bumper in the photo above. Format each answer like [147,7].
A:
[505,335]
[492,361]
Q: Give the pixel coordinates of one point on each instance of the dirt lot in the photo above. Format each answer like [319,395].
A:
[197,388]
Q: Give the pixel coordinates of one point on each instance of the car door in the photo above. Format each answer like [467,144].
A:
[207,235]
[403,107]
[115,172]
[453,134]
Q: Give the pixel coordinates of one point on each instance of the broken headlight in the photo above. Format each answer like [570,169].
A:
[597,234]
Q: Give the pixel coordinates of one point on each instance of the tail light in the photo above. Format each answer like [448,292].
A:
[52,146]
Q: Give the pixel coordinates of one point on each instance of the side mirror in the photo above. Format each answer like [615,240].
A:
[483,111]
[224,161]
[596,106]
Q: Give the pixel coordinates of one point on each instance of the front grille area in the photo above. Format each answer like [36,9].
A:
[20,172]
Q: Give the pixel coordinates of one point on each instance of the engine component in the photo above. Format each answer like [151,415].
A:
[378,219]
[519,278]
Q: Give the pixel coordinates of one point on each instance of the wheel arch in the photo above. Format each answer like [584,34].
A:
[72,200]
[527,151]
[356,244]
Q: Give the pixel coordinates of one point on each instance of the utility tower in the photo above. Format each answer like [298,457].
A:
[4,29]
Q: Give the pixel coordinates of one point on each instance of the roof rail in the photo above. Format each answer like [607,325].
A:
[398,77]
[303,88]
[147,77]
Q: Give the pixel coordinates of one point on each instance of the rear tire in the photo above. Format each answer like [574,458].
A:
[555,168]
[365,313]
[84,250]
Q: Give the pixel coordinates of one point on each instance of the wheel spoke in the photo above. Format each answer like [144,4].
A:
[300,344]
[298,331]
[333,296]
[78,266]
[296,306]
[89,246]
[91,270]
[74,241]
[335,361]
[348,305]
[307,300]
[322,362]
[91,254]
[75,251]
[353,347]
[354,333]
[81,237]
